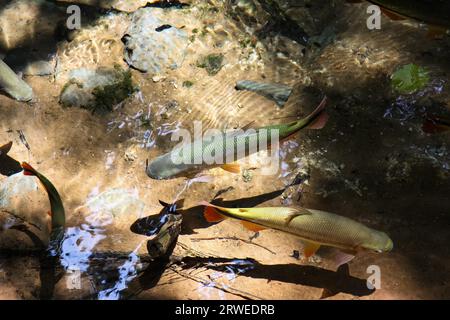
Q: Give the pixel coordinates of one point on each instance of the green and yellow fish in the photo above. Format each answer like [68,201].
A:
[316,228]
[57,213]
[231,146]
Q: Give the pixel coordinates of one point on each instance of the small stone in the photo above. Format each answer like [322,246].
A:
[130,154]
[158,78]
[247,175]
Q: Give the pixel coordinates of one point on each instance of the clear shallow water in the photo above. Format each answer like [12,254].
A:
[371,162]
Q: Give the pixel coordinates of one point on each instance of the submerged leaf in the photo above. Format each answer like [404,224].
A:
[409,79]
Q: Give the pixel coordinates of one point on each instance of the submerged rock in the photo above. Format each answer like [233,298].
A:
[212,63]
[152,45]
[97,90]
[97,44]
[13,84]
[279,93]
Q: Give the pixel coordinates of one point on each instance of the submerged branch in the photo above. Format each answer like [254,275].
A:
[236,292]
[235,239]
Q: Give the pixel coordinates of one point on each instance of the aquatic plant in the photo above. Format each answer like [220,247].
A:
[108,96]
[213,63]
[409,79]
[188,84]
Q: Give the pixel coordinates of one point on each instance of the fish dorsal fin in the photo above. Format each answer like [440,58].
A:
[5,148]
[310,248]
[232,167]
[295,213]
[164,204]
[252,226]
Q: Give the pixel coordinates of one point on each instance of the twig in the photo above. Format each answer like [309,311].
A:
[236,292]
[194,252]
[235,239]
[19,218]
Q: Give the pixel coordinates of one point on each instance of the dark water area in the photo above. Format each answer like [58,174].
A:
[109,97]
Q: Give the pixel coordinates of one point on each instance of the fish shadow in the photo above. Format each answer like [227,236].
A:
[48,265]
[9,166]
[332,282]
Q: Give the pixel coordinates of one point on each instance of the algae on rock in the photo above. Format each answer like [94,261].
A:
[97,90]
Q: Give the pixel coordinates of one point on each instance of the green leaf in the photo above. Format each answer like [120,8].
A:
[409,79]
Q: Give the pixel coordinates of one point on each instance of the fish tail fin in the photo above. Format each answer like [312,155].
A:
[232,167]
[342,273]
[434,125]
[319,117]
[211,212]
[28,170]
[315,120]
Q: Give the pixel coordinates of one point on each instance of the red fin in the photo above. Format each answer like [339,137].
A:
[310,249]
[28,170]
[49,213]
[342,258]
[232,167]
[252,226]
[320,121]
[435,125]
[212,215]
[392,14]
[318,117]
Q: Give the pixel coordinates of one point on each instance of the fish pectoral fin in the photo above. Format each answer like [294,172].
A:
[310,248]
[252,226]
[232,167]
[294,214]
[212,215]
[343,257]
